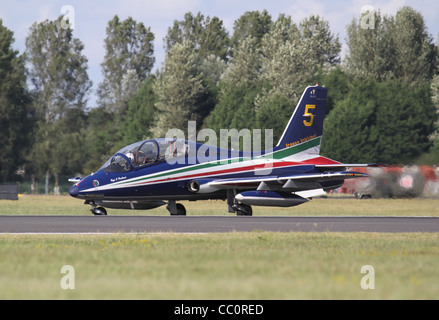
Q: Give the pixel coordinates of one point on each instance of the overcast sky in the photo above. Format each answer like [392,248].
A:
[92,16]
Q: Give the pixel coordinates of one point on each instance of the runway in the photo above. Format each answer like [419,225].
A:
[213,224]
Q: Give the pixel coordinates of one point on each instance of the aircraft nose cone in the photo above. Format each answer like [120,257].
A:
[74,191]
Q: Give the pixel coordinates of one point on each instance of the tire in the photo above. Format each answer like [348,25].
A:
[244,210]
[181,210]
[100,211]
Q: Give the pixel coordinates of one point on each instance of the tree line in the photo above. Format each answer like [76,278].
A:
[383,99]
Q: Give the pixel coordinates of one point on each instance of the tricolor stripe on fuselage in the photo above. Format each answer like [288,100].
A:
[298,155]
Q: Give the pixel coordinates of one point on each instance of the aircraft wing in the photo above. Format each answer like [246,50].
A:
[345,165]
[292,183]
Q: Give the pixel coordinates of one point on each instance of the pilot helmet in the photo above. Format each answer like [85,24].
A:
[130,156]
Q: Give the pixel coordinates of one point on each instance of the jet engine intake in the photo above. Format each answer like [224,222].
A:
[201,186]
[193,186]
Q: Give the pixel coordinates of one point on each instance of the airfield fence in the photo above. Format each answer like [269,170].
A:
[37,185]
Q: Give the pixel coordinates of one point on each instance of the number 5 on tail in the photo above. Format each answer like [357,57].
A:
[308,114]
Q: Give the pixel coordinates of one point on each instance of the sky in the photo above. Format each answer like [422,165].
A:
[91,18]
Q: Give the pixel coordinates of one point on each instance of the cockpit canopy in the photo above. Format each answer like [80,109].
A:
[145,153]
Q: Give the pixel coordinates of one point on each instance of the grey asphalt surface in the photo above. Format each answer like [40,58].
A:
[213,224]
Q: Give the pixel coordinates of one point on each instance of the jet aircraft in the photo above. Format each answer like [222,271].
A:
[141,176]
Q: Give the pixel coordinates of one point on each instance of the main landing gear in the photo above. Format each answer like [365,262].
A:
[176,209]
[239,208]
[243,210]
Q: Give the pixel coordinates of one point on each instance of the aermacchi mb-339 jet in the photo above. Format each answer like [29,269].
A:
[146,175]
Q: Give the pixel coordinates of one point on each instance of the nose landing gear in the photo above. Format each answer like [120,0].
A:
[98,211]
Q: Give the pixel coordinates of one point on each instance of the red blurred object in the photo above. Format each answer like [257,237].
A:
[392,182]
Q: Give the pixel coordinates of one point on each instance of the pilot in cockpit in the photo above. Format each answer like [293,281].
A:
[178,148]
[173,148]
[132,158]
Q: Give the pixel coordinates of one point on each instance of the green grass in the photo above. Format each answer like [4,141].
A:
[66,205]
[256,265]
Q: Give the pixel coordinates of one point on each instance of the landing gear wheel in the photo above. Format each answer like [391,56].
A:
[176,209]
[181,210]
[244,210]
[99,211]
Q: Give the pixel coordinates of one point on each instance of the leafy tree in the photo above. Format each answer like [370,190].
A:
[274,115]
[282,32]
[238,89]
[435,100]
[254,24]
[213,69]
[189,29]
[100,139]
[179,90]
[371,50]
[208,35]
[215,39]
[287,65]
[68,151]
[210,42]
[292,56]
[325,45]
[15,111]
[245,66]
[240,83]
[128,62]
[235,109]
[415,56]
[60,84]
[57,70]
[380,122]
[432,157]
[338,83]
[140,115]
[398,47]
[267,73]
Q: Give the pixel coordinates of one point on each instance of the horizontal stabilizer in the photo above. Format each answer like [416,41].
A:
[75,180]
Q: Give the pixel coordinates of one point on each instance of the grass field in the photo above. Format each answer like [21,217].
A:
[255,265]
[66,205]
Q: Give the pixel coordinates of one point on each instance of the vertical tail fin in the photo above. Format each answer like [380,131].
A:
[305,127]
